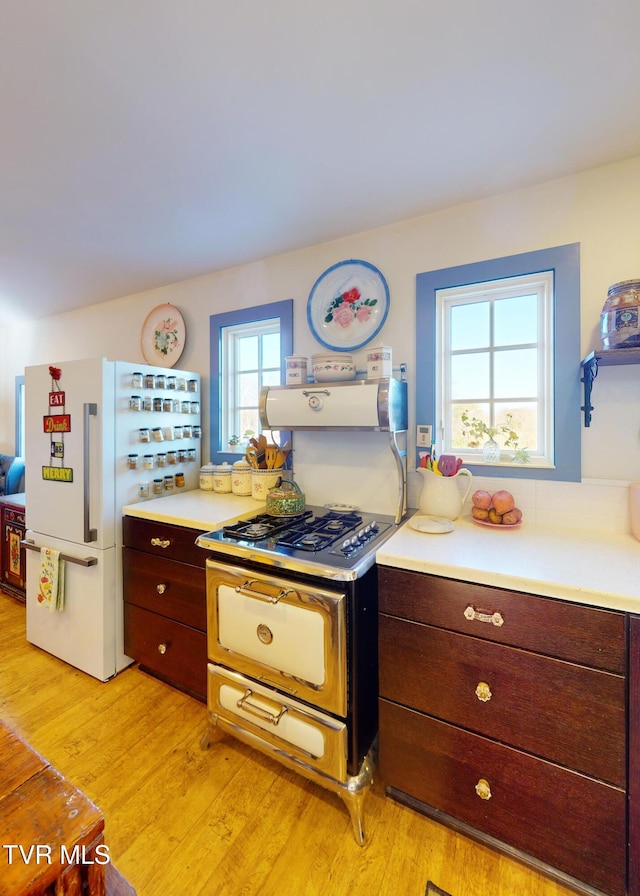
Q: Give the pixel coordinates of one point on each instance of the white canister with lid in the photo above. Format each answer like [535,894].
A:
[296,371]
[222,477]
[206,476]
[241,478]
[379,363]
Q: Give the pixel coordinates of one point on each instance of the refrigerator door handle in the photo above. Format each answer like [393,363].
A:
[90,410]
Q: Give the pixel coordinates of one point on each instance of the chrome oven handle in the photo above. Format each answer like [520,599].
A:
[265,715]
[249,589]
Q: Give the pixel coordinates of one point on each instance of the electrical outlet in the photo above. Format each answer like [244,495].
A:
[423,436]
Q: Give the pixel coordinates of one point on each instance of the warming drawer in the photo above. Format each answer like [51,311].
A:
[254,712]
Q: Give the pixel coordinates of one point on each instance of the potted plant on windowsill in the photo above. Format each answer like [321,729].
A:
[475,430]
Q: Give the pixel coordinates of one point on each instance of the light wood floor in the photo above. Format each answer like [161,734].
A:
[181,821]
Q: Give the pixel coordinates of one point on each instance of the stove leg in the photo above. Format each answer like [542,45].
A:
[205,740]
[353,796]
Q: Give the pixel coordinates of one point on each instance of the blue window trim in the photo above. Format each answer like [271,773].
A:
[564,261]
[217,322]
[19,415]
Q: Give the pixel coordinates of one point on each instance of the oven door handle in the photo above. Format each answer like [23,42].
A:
[260,711]
[250,589]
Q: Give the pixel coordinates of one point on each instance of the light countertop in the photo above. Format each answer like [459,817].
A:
[195,509]
[583,566]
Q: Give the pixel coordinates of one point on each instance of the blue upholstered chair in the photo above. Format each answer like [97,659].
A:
[11,474]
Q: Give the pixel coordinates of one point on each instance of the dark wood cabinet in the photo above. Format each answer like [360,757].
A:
[165,610]
[12,554]
[507,715]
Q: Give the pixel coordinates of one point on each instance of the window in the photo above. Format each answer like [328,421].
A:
[19,449]
[499,341]
[495,342]
[248,348]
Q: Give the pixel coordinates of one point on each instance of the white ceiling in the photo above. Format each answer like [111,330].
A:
[149,141]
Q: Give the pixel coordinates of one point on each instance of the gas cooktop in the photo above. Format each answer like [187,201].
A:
[333,543]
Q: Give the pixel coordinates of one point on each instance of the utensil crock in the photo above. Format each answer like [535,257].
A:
[442,495]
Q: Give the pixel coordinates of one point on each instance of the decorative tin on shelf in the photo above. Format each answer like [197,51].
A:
[620,318]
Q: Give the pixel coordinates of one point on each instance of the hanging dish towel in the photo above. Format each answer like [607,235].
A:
[51,584]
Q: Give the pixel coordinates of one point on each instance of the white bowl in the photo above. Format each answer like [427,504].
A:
[332,372]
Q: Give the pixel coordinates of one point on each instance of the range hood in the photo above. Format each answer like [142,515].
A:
[367,405]
[358,404]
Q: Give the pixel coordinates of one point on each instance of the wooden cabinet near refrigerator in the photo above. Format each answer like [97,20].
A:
[165,610]
[505,715]
[12,555]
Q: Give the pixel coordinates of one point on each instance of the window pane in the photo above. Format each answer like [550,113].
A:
[461,437]
[271,350]
[524,421]
[247,353]
[470,376]
[469,326]
[516,373]
[271,377]
[516,320]
[249,389]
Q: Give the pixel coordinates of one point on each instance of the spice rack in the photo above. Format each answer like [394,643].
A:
[613,357]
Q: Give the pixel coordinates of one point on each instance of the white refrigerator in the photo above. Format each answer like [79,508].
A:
[99,435]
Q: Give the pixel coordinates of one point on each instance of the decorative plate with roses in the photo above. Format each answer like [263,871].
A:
[348,305]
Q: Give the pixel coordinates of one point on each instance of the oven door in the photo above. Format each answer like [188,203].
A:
[287,634]
[261,717]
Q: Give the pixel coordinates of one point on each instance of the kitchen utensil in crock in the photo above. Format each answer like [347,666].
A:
[286,499]
[448,464]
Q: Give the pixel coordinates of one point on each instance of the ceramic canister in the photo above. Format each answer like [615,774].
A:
[296,371]
[262,481]
[379,363]
[222,477]
[206,475]
[241,478]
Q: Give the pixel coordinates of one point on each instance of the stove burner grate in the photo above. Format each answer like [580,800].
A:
[262,526]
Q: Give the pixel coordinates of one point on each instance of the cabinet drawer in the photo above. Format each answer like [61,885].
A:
[163,540]
[184,661]
[570,714]
[442,765]
[573,632]
[163,586]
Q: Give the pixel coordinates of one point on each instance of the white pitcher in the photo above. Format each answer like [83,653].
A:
[441,495]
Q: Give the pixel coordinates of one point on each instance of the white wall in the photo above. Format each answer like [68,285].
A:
[598,209]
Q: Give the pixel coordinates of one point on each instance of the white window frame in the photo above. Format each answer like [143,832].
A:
[231,336]
[541,284]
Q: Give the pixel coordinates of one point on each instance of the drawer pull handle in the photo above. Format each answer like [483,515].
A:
[160,542]
[162,648]
[252,588]
[161,588]
[260,711]
[483,692]
[478,616]
[483,789]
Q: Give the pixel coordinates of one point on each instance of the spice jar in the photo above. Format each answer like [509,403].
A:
[179,480]
[135,403]
[144,435]
[157,486]
[132,461]
[136,380]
